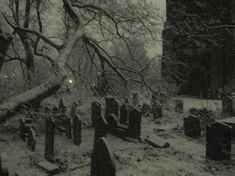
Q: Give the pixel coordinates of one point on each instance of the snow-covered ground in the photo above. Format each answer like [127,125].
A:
[184,157]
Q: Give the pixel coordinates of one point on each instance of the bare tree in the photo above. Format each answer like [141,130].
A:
[94,24]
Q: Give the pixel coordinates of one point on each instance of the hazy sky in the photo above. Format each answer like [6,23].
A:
[157,48]
[161,4]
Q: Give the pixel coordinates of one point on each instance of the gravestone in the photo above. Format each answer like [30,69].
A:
[68,127]
[192,126]
[124,112]
[73,108]
[134,126]
[3,165]
[100,128]
[102,163]
[218,141]
[179,106]
[156,108]
[95,112]
[136,99]
[50,168]
[112,121]
[77,128]
[62,107]
[22,129]
[49,139]
[111,107]
[31,139]
[25,124]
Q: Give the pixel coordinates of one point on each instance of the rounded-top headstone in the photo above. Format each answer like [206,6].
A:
[102,163]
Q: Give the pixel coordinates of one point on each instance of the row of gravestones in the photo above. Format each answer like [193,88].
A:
[155,107]
[72,130]
[218,137]
[127,124]
[102,163]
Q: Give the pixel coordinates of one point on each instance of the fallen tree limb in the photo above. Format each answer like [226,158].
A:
[45,89]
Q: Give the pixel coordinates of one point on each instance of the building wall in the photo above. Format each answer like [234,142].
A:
[199,59]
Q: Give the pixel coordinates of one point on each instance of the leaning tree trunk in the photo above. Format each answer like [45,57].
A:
[5,41]
[45,89]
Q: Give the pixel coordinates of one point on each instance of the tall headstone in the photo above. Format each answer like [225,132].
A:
[73,108]
[111,107]
[192,126]
[102,163]
[95,112]
[3,165]
[68,127]
[134,126]
[22,129]
[77,129]
[49,139]
[218,141]
[124,113]
[156,108]
[62,107]
[25,124]
[31,139]
[136,99]
[100,128]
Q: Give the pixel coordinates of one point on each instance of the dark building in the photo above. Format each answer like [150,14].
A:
[199,46]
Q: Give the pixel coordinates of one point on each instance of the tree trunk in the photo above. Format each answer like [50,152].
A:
[29,61]
[47,88]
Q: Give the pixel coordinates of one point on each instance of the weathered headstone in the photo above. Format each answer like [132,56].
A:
[179,106]
[49,139]
[77,129]
[62,107]
[134,126]
[111,107]
[102,163]
[124,113]
[3,165]
[95,112]
[156,108]
[112,121]
[146,109]
[73,108]
[68,127]
[100,128]
[25,124]
[136,99]
[157,142]
[50,168]
[31,139]
[192,126]
[218,141]
[22,128]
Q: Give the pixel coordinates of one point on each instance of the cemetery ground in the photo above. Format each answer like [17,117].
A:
[184,156]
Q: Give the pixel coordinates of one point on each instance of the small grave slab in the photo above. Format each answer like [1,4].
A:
[157,142]
[50,168]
